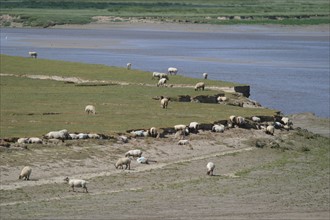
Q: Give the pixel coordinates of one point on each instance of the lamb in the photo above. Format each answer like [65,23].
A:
[210,168]
[172,70]
[25,173]
[77,183]
[161,82]
[183,142]
[123,161]
[218,128]
[133,153]
[33,54]
[164,102]
[90,109]
[200,86]
[205,75]
[129,65]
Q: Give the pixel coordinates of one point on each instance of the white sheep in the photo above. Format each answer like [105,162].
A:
[161,82]
[240,121]
[22,140]
[62,135]
[123,161]
[205,75]
[256,119]
[90,109]
[222,99]
[33,54]
[172,70]
[232,119]
[34,140]
[153,132]
[73,136]
[270,129]
[180,127]
[199,86]
[194,126]
[122,138]
[82,136]
[183,142]
[164,102]
[133,153]
[25,173]
[210,168]
[286,121]
[77,183]
[138,133]
[129,66]
[218,128]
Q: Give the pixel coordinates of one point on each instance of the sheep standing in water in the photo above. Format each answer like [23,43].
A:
[210,168]
[25,173]
[77,183]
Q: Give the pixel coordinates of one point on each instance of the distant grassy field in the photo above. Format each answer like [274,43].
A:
[32,107]
[50,12]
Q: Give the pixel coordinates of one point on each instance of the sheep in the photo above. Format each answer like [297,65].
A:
[278,125]
[122,139]
[222,99]
[183,142]
[123,161]
[62,135]
[218,128]
[164,102]
[129,65]
[159,75]
[94,136]
[25,173]
[232,119]
[22,140]
[77,183]
[90,109]
[153,132]
[193,126]
[240,121]
[34,140]
[161,82]
[73,136]
[144,160]
[210,168]
[133,153]
[205,75]
[172,70]
[82,136]
[181,131]
[200,86]
[138,133]
[256,119]
[180,127]
[270,129]
[33,54]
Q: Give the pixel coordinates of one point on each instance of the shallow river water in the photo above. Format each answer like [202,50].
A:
[287,69]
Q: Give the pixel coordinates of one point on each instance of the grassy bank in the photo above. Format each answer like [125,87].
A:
[48,13]
[32,107]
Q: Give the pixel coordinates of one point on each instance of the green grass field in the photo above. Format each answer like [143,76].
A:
[50,12]
[32,107]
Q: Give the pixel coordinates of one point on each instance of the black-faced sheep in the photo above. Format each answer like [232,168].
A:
[193,126]
[270,129]
[25,173]
[153,132]
[90,109]
[205,75]
[33,54]
[133,153]
[200,86]
[123,161]
[210,168]
[172,70]
[77,183]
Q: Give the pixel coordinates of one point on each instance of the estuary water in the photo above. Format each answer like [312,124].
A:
[287,69]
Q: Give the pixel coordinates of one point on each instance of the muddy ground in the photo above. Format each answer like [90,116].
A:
[257,176]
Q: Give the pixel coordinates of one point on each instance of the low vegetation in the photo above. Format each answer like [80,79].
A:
[52,12]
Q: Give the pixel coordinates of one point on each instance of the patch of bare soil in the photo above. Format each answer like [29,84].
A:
[285,176]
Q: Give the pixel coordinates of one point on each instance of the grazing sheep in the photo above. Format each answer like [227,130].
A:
[62,135]
[210,168]
[193,126]
[25,173]
[129,65]
[200,86]
[164,102]
[218,128]
[183,142]
[90,109]
[256,119]
[133,153]
[22,140]
[34,140]
[161,82]
[172,70]
[205,75]
[222,99]
[33,54]
[156,75]
[123,161]
[270,129]
[77,183]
